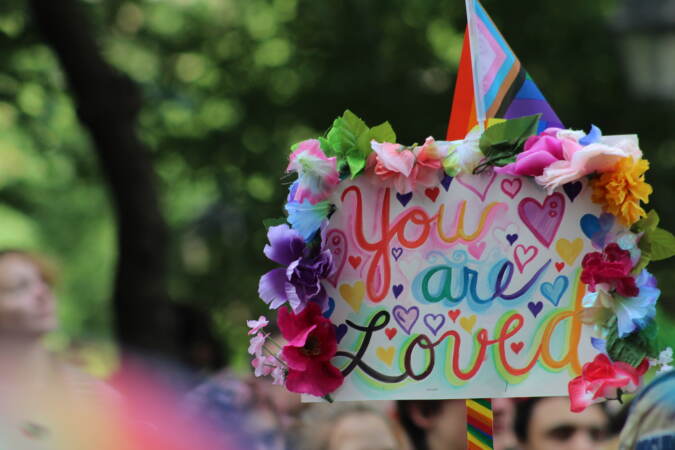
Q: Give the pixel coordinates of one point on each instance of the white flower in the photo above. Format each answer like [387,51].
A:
[665,361]
[256,345]
[257,325]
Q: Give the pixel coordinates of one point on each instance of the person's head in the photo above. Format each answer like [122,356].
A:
[347,426]
[27,303]
[434,424]
[546,423]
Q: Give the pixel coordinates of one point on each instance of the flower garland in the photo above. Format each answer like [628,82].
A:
[621,294]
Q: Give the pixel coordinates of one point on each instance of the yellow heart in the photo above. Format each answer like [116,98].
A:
[353,294]
[468,322]
[385,354]
[569,251]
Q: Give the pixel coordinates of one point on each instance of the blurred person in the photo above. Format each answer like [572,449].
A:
[546,423]
[434,424]
[347,426]
[504,411]
[651,420]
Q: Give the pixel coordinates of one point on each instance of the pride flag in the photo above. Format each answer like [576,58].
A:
[491,82]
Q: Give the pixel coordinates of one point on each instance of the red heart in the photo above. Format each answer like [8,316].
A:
[432,193]
[453,314]
[390,332]
[355,261]
[559,266]
[517,347]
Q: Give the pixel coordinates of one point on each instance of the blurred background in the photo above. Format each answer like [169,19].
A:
[224,88]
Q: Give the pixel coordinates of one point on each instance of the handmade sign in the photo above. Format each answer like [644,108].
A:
[509,262]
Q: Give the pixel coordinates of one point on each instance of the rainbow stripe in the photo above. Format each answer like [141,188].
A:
[491,81]
[479,424]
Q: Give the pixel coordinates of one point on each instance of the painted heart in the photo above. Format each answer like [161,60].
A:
[478,184]
[434,322]
[572,189]
[511,186]
[432,193]
[517,346]
[453,314]
[386,355]
[535,307]
[396,252]
[543,219]
[476,249]
[340,332]
[354,261]
[404,199]
[353,294]
[468,322]
[597,228]
[397,289]
[501,235]
[569,251]
[390,332]
[554,291]
[445,182]
[330,307]
[524,255]
[559,266]
[512,238]
[406,317]
[336,242]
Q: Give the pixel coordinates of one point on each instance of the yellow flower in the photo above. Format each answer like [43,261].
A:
[621,189]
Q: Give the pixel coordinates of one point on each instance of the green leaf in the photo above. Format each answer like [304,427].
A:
[382,133]
[508,137]
[662,244]
[633,348]
[646,224]
[356,164]
[272,222]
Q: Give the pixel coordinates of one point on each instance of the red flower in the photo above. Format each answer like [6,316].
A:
[311,345]
[613,267]
[601,379]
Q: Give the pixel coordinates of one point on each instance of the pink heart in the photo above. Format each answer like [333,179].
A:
[523,255]
[336,241]
[477,249]
[478,184]
[543,220]
[511,186]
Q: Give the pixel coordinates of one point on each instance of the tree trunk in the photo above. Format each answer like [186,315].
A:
[107,104]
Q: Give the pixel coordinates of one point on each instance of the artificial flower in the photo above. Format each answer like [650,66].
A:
[612,266]
[311,345]
[306,218]
[257,344]
[393,164]
[603,379]
[257,325]
[621,190]
[263,365]
[317,174]
[539,152]
[579,161]
[299,281]
[429,160]
[464,155]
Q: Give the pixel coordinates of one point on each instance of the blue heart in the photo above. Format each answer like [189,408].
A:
[404,198]
[329,308]
[554,291]
[397,289]
[447,179]
[596,228]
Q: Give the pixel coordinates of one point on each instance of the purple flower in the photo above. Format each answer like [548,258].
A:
[299,281]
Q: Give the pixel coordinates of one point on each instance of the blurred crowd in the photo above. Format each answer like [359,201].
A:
[196,402]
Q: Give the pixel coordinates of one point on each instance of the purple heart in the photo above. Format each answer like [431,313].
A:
[406,317]
[447,179]
[512,238]
[396,252]
[397,289]
[404,198]
[572,189]
[597,228]
[535,307]
[543,219]
[434,322]
[340,332]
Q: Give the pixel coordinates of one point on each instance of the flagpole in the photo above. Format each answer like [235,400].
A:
[475,54]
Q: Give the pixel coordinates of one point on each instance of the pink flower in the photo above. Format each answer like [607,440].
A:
[256,344]
[612,267]
[539,152]
[311,345]
[257,325]
[263,365]
[603,379]
[317,174]
[278,375]
[429,161]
